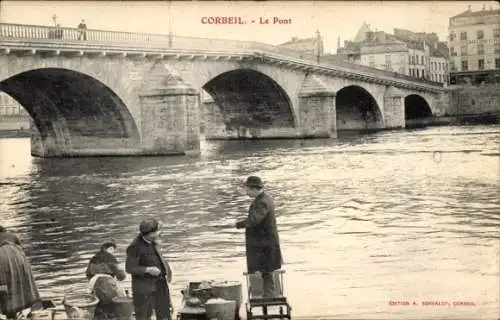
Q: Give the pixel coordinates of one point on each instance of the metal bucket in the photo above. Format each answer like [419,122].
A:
[229,290]
[220,309]
[123,308]
[80,306]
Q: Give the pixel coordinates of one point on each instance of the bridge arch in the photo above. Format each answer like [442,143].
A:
[72,110]
[357,109]
[416,107]
[250,99]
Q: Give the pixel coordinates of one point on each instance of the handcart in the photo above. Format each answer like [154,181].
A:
[266,305]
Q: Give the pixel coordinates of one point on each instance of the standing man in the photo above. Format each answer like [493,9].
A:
[150,273]
[261,235]
[83,30]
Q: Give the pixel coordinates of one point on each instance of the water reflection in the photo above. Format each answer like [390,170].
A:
[363,219]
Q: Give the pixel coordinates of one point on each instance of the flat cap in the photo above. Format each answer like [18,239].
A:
[254,181]
[148,226]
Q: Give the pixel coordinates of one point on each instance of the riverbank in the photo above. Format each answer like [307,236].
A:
[15,134]
[477,119]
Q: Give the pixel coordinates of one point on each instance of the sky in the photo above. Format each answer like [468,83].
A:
[333,19]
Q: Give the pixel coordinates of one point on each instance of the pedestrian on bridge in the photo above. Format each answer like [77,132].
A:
[82,30]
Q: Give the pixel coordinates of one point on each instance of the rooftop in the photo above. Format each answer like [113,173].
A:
[484,12]
[296,40]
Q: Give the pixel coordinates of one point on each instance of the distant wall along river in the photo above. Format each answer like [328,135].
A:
[368,223]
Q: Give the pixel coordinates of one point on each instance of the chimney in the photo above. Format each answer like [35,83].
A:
[469,8]
[484,7]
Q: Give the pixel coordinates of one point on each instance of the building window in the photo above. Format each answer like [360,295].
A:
[480,64]
[463,50]
[418,73]
[465,65]
[422,60]
[480,34]
[497,63]
[480,49]
[453,53]
[371,61]
[452,66]
[463,35]
[452,36]
[496,33]
[497,47]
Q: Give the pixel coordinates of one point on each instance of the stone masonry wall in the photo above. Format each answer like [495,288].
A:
[472,100]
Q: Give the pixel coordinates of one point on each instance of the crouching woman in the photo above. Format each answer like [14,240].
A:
[103,273]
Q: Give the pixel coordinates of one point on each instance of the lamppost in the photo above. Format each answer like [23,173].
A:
[169,24]
[318,46]
[54,18]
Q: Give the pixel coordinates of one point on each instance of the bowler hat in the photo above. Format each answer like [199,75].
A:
[148,226]
[254,182]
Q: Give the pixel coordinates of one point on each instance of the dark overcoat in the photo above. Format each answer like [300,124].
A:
[140,255]
[261,236]
[17,277]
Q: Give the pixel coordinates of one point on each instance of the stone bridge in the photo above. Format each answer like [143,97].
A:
[119,93]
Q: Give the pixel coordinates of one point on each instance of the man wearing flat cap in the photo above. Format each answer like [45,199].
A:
[262,244]
[150,273]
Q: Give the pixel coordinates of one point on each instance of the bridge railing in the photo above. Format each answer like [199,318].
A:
[63,34]
[375,71]
[165,41]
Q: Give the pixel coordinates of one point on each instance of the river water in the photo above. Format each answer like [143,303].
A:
[367,222]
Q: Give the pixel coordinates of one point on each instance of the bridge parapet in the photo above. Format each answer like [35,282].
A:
[145,40]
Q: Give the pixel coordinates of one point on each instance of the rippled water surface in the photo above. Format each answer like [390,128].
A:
[363,220]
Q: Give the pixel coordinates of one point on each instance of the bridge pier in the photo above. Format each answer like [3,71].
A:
[170,121]
[213,119]
[317,110]
[394,108]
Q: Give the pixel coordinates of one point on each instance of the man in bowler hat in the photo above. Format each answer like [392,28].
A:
[150,272]
[263,250]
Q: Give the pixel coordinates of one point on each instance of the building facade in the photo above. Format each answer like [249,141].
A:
[12,115]
[382,51]
[310,47]
[419,55]
[474,40]
[438,69]
[10,107]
